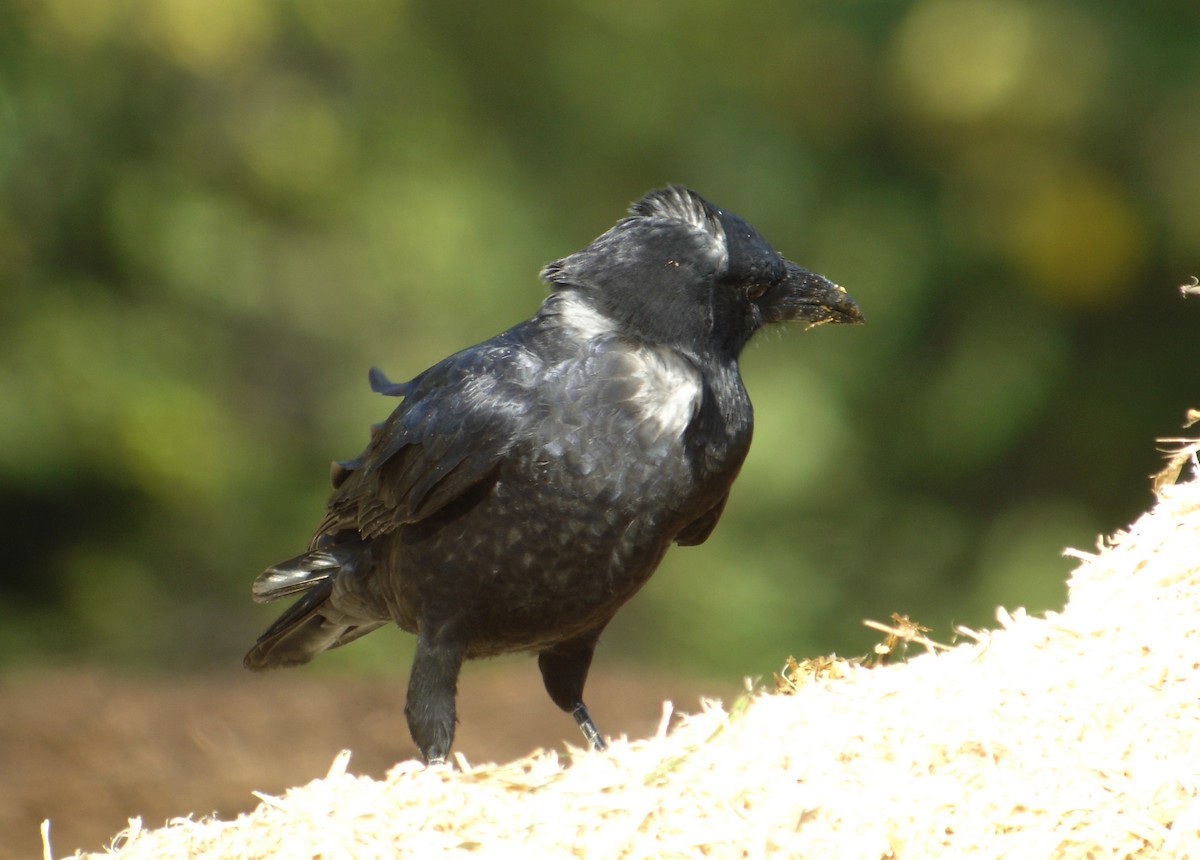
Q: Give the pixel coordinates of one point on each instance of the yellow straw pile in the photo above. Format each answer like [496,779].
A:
[1072,735]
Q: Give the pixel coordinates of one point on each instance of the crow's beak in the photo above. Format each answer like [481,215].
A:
[806,296]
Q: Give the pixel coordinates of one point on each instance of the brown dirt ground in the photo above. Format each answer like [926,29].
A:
[90,749]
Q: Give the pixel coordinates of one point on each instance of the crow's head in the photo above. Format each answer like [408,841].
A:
[682,272]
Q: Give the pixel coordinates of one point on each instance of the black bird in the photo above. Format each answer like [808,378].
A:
[528,486]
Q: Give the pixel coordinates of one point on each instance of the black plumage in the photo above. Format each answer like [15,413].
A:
[528,486]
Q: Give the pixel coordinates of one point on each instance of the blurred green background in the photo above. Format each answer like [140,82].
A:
[215,215]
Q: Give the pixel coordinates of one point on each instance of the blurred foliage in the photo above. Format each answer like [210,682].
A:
[216,214]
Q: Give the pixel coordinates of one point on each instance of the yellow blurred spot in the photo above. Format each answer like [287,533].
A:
[1069,229]
[206,36]
[1078,239]
[962,58]
[967,60]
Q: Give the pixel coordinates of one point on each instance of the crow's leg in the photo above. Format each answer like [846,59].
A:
[432,687]
[564,671]
[590,733]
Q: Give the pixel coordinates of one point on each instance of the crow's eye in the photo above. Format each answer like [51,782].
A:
[754,292]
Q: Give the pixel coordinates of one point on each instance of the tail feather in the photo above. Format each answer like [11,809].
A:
[298,575]
[313,623]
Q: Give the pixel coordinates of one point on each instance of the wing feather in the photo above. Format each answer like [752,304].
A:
[457,422]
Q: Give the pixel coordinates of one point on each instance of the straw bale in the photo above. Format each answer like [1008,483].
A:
[1068,735]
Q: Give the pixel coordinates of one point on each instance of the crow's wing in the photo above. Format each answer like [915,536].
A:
[458,421]
[697,531]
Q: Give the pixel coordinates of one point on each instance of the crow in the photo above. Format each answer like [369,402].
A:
[525,488]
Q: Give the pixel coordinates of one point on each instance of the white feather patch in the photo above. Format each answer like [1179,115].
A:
[584,318]
[670,392]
